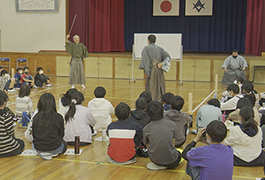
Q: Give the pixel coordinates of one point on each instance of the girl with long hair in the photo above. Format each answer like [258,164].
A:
[48,129]
[79,121]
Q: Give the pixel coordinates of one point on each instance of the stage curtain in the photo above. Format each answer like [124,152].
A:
[254,27]
[80,9]
[224,31]
[106,25]
[100,24]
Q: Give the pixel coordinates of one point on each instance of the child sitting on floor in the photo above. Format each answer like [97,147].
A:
[243,102]
[23,101]
[160,134]
[166,100]
[208,113]
[246,140]
[139,115]
[181,119]
[41,79]
[48,129]
[101,109]
[121,149]
[230,105]
[65,100]
[9,145]
[79,121]
[214,161]
[5,83]
[17,77]
[26,78]
[239,81]
[147,96]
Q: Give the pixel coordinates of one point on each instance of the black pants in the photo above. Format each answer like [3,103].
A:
[39,82]
[16,151]
[7,85]
[259,161]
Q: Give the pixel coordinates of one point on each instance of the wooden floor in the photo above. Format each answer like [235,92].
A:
[92,163]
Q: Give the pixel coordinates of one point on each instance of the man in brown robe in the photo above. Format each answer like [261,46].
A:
[78,52]
[152,58]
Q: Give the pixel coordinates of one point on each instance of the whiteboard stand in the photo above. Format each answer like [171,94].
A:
[181,63]
[139,59]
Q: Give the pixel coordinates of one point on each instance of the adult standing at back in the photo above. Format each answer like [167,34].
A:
[78,52]
[152,58]
[234,66]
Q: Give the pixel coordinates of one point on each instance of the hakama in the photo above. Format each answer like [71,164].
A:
[77,75]
[152,55]
[78,52]
[234,67]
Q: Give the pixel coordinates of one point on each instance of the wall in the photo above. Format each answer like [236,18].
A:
[29,32]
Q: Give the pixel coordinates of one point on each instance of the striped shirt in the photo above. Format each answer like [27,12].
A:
[7,141]
[23,104]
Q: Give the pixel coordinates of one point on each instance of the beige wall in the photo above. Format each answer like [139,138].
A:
[31,31]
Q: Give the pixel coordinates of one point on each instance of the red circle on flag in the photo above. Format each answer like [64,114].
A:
[166,6]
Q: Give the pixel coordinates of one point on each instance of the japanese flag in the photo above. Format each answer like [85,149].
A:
[199,8]
[166,8]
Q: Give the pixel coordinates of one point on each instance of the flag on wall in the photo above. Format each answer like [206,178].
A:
[199,8]
[165,7]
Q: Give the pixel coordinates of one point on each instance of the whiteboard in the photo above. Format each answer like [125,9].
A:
[169,42]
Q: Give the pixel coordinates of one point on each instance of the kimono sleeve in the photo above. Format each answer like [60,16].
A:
[85,52]
[145,63]
[164,54]
[69,47]
[226,63]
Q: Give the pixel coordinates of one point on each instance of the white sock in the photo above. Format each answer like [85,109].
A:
[83,86]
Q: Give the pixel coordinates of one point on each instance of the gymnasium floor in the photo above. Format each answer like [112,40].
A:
[92,163]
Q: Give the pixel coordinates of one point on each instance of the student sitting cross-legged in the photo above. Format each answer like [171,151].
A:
[79,121]
[48,129]
[246,140]
[180,119]
[101,109]
[121,149]
[166,100]
[41,79]
[214,161]
[9,145]
[139,115]
[208,113]
[230,105]
[159,134]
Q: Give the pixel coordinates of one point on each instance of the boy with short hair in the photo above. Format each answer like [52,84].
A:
[26,78]
[41,79]
[214,161]
[181,119]
[101,108]
[159,134]
[208,113]
[139,115]
[230,105]
[166,100]
[17,77]
[147,96]
[121,149]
